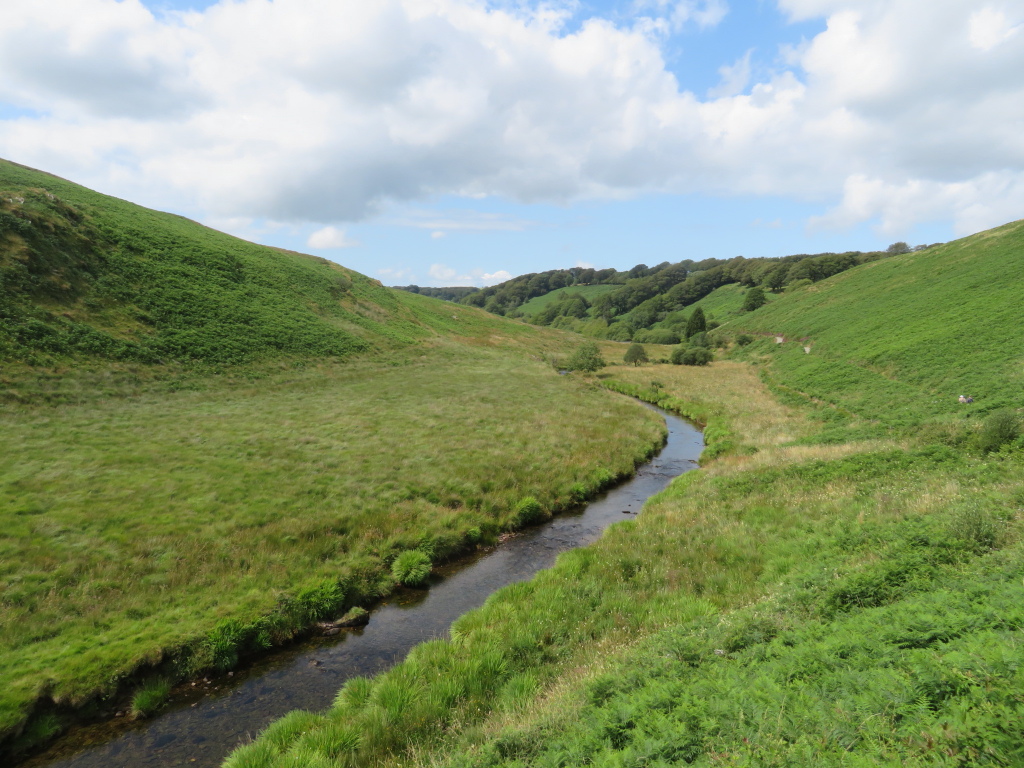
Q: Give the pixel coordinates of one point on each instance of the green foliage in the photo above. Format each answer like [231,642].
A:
[150,697]
[896,341]
[587,357]
[411,568]
[999,428]
[696,324]
[755,299]
[683,355]
[636,354]
[529,512]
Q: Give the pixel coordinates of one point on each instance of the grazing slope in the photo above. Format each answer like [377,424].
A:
[899,340]
[84,275]
[817,595]
[209,444]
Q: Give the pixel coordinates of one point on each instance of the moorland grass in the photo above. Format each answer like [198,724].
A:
[190,526]
[898,340]
[845,535]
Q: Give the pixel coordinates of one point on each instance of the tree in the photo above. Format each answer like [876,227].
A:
[586,358]
[696,323]
[754,299]
[897,248]
[636,354]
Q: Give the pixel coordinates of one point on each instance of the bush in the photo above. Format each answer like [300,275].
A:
[691,356]
[411,568]
[1000,428]
[755,299]
[657,336]
[619,332]
[700,340]
[743,339]
[586,358]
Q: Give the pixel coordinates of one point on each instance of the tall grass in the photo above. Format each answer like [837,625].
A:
[202,524]
[741,618]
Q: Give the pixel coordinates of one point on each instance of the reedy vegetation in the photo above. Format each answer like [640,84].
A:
[210,444]
[198,525]
[839,586]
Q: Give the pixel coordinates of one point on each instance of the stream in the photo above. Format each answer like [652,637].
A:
[206,721]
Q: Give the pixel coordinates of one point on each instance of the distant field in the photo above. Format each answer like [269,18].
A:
[199,522]
[721,305]
[589,292]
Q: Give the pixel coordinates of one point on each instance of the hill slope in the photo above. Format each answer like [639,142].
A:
[87,275]
[805,599]
[898,340]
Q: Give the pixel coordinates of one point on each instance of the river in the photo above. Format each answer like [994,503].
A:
[206,721]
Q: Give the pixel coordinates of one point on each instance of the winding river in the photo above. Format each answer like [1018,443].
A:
[207,720]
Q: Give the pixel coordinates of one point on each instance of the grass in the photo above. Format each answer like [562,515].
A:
[720,305]
[839,585]
[898,340]
[589,292]
[195,525]
[150,697]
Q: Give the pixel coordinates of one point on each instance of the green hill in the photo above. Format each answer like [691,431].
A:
[899,340]
[84,275]
[209,445]
[540,303]
[839,585]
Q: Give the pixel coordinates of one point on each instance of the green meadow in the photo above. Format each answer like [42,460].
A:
[209,445]
[193,526]
[540,303]
[839,585]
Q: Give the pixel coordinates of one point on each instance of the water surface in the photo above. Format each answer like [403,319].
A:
[208,720]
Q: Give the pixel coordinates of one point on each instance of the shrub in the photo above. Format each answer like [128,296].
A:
[586,358]
[691,356]
[1000,428]
[700,340]
[619,332]
[411,568]
[743,339]
[657,336]
[754,299]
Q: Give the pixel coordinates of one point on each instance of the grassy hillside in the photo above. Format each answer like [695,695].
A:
[209,444]
[899,340]
[540,303]
[84,275]
[822,593]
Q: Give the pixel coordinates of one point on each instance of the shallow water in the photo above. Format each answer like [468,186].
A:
[204,723]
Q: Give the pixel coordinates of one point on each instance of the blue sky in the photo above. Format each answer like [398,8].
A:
[455,142]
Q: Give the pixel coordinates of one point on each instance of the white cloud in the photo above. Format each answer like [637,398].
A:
[495,277]
[330,237]
[436,235]
[443,275]
[989,27]
[326,110]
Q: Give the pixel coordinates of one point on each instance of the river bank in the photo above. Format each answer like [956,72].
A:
[208,720]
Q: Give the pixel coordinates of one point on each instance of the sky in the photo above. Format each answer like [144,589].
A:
[462,142]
